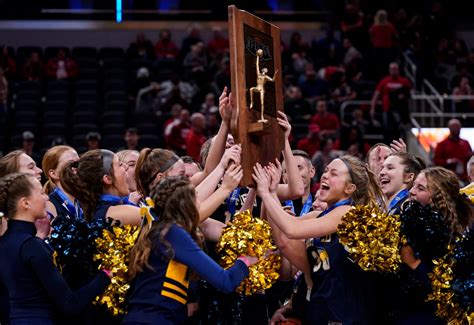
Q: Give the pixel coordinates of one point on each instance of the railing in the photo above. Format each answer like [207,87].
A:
[420,116]
[409,68]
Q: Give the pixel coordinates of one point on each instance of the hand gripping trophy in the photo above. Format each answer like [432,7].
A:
[262,78]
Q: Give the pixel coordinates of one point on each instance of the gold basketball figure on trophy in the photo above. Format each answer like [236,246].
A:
[262,78]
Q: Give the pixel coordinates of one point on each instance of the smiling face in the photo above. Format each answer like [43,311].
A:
[306,170]
[335,185]
[119,182]
[28,166]
[129,162]
[420,191]
[318,204]
[392,176]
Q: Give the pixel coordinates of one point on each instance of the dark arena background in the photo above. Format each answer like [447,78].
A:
[331,51]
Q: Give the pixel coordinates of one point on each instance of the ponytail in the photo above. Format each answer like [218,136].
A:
[83,180]
[49,186]
[51,161]
[174,203]
[367,190]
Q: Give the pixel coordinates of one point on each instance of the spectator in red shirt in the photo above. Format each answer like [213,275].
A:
[310,143]
[178,132]
[394,90]
[383,37]
[218,45]
[453,152]
[165,48]
[61,67]
[196,138]
[328,122]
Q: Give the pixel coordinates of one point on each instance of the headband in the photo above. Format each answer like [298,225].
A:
[349,167]
[167,165]
[107,160]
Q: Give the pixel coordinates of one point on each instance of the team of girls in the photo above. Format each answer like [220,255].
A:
[101,185]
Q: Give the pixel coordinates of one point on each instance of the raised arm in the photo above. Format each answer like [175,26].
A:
[219,142]
[249,200]
[231,180]
[295,228]
[293,249]
[207,187]
[295,187]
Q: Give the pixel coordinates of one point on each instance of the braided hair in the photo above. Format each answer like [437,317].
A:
[13,187]
[174,198]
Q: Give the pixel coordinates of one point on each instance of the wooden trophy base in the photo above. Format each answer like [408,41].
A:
[258,128]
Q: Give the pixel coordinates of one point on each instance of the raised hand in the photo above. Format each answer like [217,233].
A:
[232,177]
[275,175]
[231,154]
[282,119]
[398,145]
[261,177]
[225,106]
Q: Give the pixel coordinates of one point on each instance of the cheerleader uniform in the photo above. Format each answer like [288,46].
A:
[64,206]
[388,286]
[159,296]
[413,288]
[342,291]
[36,288]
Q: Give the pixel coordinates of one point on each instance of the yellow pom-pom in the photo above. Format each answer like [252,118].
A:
[372,238]
[113,254]
[468,191]
[251,236]
[441,283]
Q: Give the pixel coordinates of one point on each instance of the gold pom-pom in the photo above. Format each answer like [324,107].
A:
[468,191]
[441,283]
[113,253]
[251,236]
[372,238]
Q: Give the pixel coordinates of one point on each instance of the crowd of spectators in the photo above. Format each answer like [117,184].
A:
[168,92]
